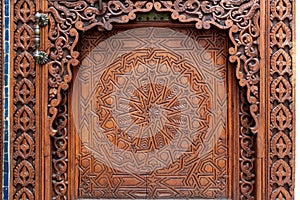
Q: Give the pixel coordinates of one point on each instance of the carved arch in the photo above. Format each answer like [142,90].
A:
[67,18]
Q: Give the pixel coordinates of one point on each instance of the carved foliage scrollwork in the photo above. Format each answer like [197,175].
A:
[24,123]
[68,17]
[247,149]
[282,102]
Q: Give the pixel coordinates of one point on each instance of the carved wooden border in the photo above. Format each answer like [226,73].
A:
[282,100]
[68,18]
[241,17]
[23,76]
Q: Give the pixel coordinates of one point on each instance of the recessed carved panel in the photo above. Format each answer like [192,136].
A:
[145,97]
[150,110]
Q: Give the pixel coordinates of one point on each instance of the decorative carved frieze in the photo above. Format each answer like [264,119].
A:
[282,127]
[24,100]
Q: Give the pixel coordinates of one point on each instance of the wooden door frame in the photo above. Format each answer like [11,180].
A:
[266,74]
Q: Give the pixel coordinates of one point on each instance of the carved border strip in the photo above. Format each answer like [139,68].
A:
[282,127]
[247,149]
[67,18]
[24,100]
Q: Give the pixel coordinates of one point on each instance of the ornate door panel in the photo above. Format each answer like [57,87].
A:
[198,103]
[150,111]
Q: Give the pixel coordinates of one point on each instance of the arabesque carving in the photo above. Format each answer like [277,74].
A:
[67,18]
[24,102]
[282,128]
[149,101]
[241,18]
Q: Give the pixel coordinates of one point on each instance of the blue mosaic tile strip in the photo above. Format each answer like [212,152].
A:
[6,33]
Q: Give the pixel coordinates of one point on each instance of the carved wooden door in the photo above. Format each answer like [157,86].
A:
[152,99]
[150,114]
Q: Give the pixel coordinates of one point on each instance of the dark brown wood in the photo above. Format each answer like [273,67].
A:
[263,115]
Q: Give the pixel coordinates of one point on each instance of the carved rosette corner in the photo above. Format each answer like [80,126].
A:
[24,100]
[67,18]
[282,127]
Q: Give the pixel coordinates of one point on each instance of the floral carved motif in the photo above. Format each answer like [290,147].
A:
[247,149]
[282,101]
[24,99]
[67,18]
[240,17]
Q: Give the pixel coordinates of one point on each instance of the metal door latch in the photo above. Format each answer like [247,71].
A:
[42,20]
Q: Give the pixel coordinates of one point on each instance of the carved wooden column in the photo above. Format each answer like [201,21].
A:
[23,160]
[281,103]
